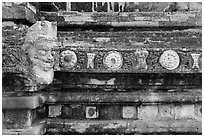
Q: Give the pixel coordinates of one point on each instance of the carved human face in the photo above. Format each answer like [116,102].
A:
[42,60]
[41,55]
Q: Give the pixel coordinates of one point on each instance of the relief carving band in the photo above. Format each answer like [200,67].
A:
[141,58]
[90,63]
[40,40]
[113,60]
[169,60]
[195,60]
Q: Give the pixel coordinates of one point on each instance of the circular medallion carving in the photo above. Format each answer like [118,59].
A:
[113,60]
[169,60]
[91,112]
[68,59]
[166,111]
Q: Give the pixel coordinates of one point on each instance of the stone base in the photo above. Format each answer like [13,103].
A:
[37,129]
[123,127]
[18,118]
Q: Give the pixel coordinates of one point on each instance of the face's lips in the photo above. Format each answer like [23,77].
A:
[43,60]
[46,64]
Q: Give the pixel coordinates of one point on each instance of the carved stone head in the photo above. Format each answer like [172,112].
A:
[40,40]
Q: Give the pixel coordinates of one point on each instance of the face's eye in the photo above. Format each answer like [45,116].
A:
[41,52]
[53,53]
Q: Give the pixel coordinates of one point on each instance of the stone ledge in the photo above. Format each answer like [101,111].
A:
[123,126]
[136,19]
[39,128]
[25,102]
[53,126]
[101,96]
[19,12]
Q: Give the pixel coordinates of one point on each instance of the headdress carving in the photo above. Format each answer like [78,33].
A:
[41,29]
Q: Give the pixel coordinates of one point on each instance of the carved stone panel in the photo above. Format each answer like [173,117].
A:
[141,59]
[129,112]
[90,63]
[91,112]
[195,60]
[169,60]
[113,60]
[68,59]
[40,40]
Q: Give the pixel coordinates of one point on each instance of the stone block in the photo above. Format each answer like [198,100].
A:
[13,11]
[166,112]
[198,112]
[109,112]
[129,112]
[78,111]
[148,112]
[66,112]
[38,128]
[184,111]
[92,112]
[18,118]
[25,102]
[54,110]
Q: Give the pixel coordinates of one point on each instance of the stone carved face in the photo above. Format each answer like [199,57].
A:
[42,60]
[41,55]
[39,43]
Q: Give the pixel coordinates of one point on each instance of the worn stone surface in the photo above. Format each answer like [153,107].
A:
[187,111]
[166,111]
[39,128]
[54,110]
[132,38]
[74,111]
[19,11]
[26,102]
[127,81]
[110,112]
[120,6]
[124,126]
[101,96]
[147,112]
[120,19]
[128,45]
[13,58]
[18,119]
[129,112]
